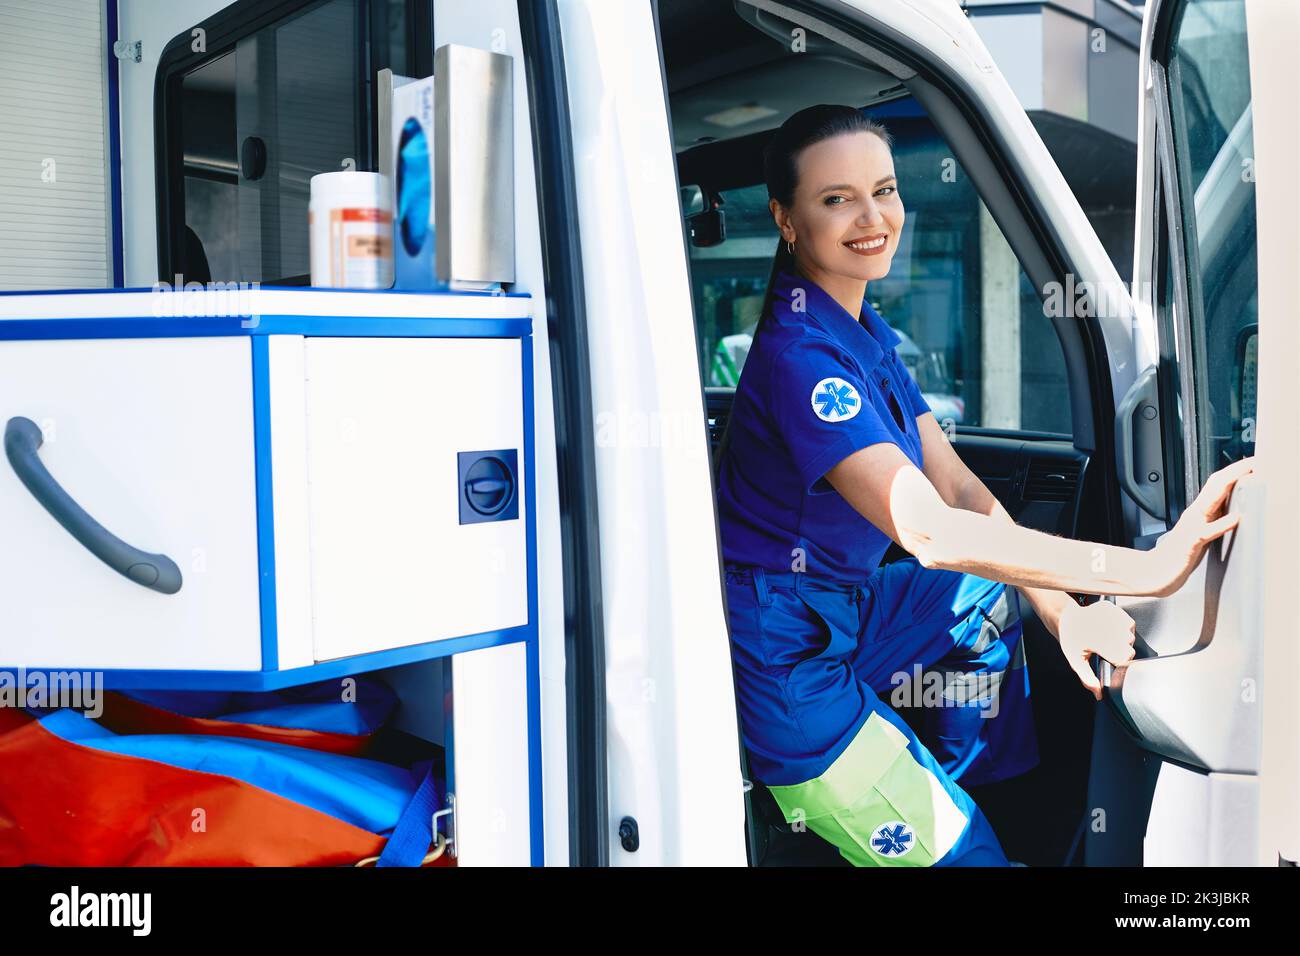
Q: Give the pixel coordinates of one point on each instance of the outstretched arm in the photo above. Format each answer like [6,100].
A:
[889,491]
[961,488]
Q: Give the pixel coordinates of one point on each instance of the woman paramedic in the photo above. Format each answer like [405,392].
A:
[830,453]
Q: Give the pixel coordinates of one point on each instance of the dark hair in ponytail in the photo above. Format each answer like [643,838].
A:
[781,172]
[781,167]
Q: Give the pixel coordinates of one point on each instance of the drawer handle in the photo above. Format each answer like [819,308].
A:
[23,440]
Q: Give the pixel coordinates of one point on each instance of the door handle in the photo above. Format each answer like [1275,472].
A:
[1142,402]
[157,572]
[489,485]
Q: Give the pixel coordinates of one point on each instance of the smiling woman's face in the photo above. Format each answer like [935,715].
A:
[847,215]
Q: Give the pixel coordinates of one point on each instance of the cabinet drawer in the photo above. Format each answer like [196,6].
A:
[154,439]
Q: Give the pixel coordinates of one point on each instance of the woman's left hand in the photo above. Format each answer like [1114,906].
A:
[1098,628]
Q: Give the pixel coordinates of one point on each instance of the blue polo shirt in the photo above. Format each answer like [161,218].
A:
[818,385]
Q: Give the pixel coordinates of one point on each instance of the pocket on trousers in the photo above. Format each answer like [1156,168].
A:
[836,617]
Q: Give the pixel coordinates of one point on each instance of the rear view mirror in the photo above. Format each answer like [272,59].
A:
[692,200]
[708,228]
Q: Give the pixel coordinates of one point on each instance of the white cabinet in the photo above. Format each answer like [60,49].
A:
[328,496]
[341,484]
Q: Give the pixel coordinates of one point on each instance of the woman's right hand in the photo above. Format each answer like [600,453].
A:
[1179,550]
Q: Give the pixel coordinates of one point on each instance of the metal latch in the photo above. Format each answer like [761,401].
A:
[449,812]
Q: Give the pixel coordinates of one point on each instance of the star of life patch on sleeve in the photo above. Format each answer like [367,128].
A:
[835,400]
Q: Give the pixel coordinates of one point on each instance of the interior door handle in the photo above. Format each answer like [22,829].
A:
[1141,470]
[23,440]
[1189,694]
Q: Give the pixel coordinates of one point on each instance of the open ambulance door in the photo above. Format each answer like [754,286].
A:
[923,61]
[1194,761]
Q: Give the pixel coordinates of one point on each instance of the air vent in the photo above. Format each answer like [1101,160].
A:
[1051,479]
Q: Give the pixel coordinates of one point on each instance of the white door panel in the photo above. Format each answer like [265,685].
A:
[490,756]
[386,419]
[1274,35]
[1210,694]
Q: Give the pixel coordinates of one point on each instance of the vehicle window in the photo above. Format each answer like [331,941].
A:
[1210,123]
[976,337]
[259,115]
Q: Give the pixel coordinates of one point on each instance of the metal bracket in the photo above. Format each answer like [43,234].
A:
[450,813]
[1138,444]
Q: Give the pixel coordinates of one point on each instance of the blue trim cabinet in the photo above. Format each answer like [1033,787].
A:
[343,480]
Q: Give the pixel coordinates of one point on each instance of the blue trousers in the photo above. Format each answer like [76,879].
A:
[824,669]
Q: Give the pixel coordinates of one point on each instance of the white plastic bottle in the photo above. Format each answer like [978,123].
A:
[351,221]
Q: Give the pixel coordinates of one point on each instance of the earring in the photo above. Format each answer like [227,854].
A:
[788,247]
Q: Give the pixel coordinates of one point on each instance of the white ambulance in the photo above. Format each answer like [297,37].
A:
[325,473]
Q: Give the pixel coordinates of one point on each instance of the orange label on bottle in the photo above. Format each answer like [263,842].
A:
[360,215]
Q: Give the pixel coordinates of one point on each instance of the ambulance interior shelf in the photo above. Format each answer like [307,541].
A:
[212,475]
[270,443]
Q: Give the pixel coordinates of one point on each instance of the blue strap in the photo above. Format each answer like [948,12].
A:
[413,835]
